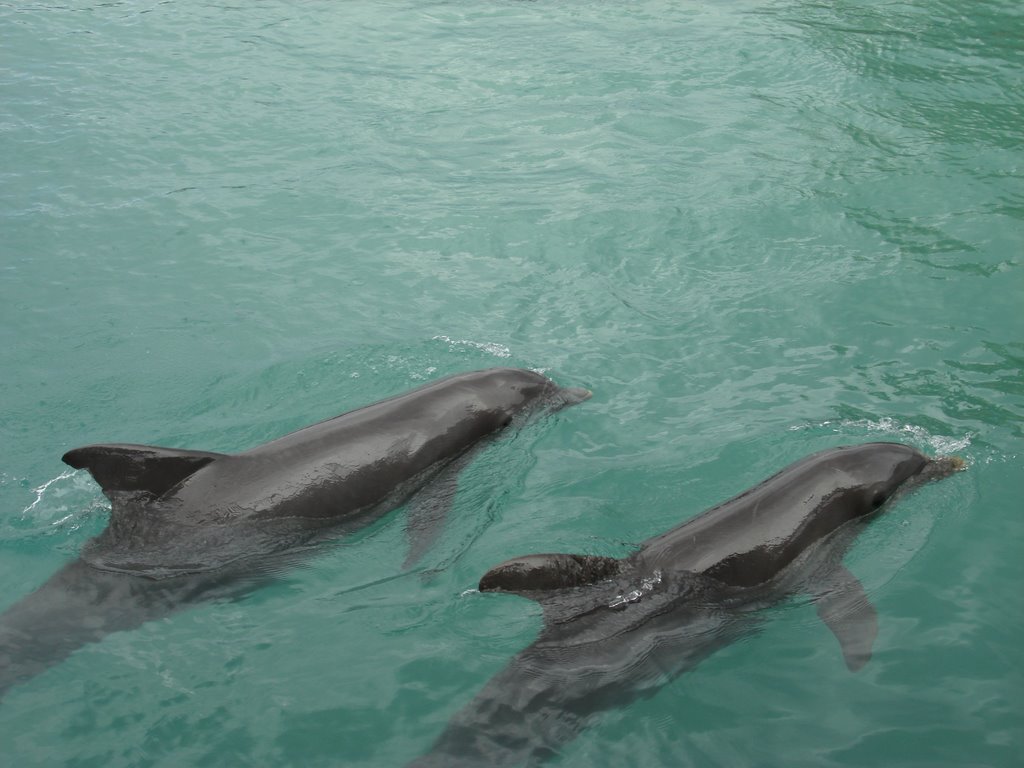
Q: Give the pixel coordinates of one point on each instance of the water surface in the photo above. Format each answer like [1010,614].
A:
[754,229]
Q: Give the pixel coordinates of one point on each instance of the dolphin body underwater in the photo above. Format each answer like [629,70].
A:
[616,630]
[187,526]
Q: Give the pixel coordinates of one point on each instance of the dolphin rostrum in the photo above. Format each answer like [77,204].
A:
[618,629]
[192,525]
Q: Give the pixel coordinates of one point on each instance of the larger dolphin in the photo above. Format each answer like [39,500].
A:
[618,629]
[191,525]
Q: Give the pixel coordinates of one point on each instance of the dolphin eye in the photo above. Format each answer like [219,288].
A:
[878,499]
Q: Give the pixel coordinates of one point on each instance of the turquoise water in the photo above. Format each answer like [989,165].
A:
[754,229]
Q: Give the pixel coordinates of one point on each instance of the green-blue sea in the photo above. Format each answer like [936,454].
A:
[755,229]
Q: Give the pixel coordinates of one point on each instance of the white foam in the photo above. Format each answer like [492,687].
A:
[70,497]
[889,426]
[40,492]
[498,350]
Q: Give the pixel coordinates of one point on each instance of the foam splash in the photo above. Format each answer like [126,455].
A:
[491,348]
[66,498]
[888,426]
[40,492]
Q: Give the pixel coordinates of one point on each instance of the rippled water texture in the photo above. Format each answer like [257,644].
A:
[754,229]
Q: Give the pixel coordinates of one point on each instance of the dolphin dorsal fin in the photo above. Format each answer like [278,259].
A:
[137,468]
[534,575]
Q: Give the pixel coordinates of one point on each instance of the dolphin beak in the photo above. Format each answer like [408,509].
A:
[566,396]
[575,395]
[944,466]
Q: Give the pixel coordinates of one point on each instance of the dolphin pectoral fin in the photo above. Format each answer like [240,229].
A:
[429,507]
[535,575]
[137,468]
[425,519]
[845,609]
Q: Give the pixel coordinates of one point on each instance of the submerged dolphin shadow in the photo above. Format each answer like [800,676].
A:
[616,630]
[187,526]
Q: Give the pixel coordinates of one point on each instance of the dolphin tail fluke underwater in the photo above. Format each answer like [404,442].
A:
[79,605]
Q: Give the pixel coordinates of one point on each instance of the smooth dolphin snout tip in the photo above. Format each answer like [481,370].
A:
[575,395]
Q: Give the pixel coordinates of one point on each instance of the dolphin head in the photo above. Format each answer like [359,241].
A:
[883,471]
[518,390]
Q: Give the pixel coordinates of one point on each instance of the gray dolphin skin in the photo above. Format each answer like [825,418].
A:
[187,526]
[616,630]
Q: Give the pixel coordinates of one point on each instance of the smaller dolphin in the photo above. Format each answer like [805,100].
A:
[187,526]
[618,629]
